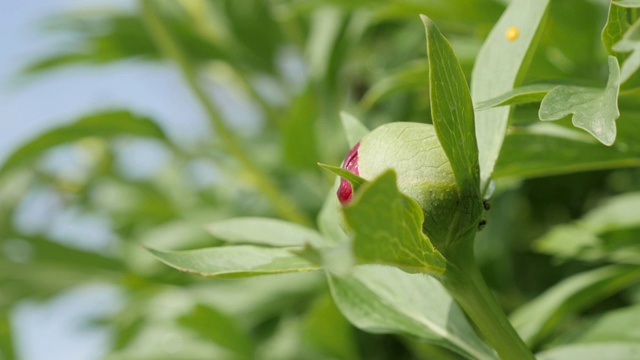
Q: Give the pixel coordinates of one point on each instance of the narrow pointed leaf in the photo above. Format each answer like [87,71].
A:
[498,69]
[409,77]
[355,180]
[353,128]
[382,299]
[523,94]
[103,125]
[594,110]
[387,228]
[235,261]
[452,111]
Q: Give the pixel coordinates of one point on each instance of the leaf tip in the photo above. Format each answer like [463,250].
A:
[425,20]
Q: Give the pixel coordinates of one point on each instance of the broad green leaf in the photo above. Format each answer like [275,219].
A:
[520,95]
[499,67]
[594,110]
[630,42]
[609,351]
[353,128]
[217,327]
[548,149]
[387,228]
[537,318]
[452,111]
[102,125]
[381,299]
[615,325]
[235,261]
[264,231]
[355,180]
[409,76]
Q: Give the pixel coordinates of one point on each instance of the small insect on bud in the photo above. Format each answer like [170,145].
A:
[345,191]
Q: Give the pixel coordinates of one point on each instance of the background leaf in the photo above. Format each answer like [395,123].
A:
[629,43]
[499,68]
[607,232]
[235,261]
[536,319]
[263,231]
[353,128]
[103,125]
[535,150]
[620,351]
[593,110]
[220,329]
[382,299]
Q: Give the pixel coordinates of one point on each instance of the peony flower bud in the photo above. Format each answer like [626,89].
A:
[345,191]
[422,167]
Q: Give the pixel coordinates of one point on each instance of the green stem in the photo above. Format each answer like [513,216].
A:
[465,283]
[166,42]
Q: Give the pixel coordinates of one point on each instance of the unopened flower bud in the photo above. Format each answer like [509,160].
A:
[422,167]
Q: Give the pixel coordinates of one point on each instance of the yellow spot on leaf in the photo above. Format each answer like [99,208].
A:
[512,33]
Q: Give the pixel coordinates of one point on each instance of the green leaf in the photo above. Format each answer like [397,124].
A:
[218,328]
[609,351]
[593,110]
[548,149]
[355,180]
[382,299]
[103,125]
[234,261]
[353,128]
[264,231]
[537,318]
[615,325]
[619,20]
[587,238]
[387,228]
[452,111]
[409,76]
[7,350]
[327,330]
[523,94]
[499,68]
[627,3]
[330,216]
[299,142]
[630,42]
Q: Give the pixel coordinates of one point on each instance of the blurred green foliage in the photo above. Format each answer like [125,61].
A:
[565,215]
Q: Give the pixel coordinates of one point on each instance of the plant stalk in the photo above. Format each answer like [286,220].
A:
[465,283]
[171,48]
